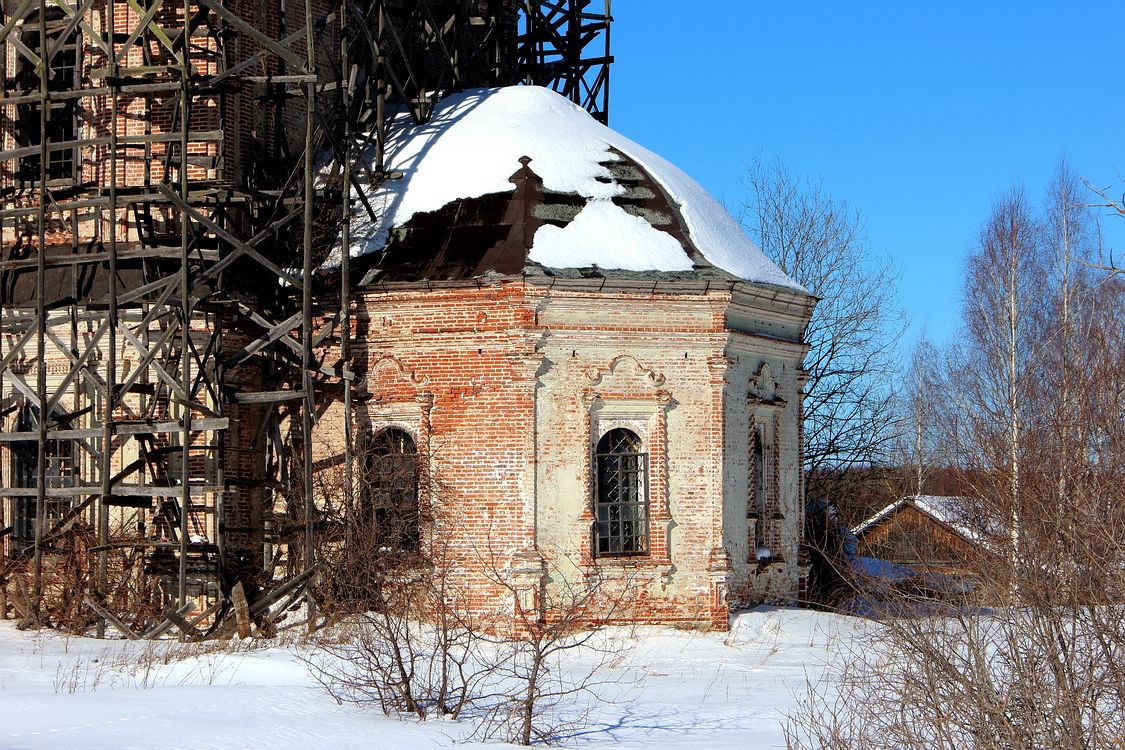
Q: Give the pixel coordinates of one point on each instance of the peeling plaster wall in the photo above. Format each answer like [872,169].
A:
[508,386]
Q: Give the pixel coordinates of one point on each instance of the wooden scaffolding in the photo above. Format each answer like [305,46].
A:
[173,174]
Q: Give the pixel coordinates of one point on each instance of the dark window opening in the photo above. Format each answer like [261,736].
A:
[621,505]
[60,471]
[761,489]
[61,125]
[391,491]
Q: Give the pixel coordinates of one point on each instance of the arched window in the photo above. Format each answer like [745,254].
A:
[621,504]
[391,490]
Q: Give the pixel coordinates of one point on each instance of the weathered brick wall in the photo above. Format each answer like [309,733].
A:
[507,387]
[648,372]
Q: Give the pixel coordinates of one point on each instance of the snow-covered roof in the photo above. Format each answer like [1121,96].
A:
[949,510]
[473,144]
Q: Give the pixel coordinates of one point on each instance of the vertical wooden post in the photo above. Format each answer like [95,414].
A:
[41,325]
[185,310]
[109,405]
[306,307]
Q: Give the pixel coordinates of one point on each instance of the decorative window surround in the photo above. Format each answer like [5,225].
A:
[763,506]
[646,414]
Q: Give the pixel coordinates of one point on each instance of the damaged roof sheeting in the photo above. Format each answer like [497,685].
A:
[581,197]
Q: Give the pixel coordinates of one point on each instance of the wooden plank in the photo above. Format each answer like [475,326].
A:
[279,331]
[83,93]
[196,490]
[175,386]
[197,425]
[142,22]
[201,136]
[157,32]
[154,251]
[169,621]
[76,363]
[65,206]
[18,348]
[31,437]
[241,610]
[150,355]
[128,428]
[15,18]
[262,236]
[21,385]
[239,245]
[108,616]
[268,397]
[272,616]
[176,618]
[141,291]
[271,44]
[75,18]
[263,603]
[15,41]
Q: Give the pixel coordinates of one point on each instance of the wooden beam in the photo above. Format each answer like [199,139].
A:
[268,397]
[272,45]
[109,617]
[169,621]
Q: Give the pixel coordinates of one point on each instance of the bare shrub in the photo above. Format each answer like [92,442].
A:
[1016,677]
[543,701]
[419,652]
[404,638]
[1034,420]
[416,652]
[69,577]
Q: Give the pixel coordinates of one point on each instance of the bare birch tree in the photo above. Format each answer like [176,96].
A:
[820,243]
[991,369]
[1037,417]
[919,404]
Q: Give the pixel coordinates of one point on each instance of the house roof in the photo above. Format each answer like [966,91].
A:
[952,512]
[520,180]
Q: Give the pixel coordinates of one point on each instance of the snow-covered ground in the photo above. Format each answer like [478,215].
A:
[670,689]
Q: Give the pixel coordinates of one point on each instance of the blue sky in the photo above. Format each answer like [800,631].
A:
[919,114]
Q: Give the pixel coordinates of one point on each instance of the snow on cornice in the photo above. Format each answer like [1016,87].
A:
[474,141]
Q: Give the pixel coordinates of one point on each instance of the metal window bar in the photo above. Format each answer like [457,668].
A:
[621,505]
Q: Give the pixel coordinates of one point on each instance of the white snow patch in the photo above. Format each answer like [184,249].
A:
[472,146]
[603,235]
[667,689]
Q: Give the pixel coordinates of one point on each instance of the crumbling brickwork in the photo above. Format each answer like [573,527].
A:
[507,387]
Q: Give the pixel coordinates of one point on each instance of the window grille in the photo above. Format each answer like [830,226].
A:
[621,505]
[391,490]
